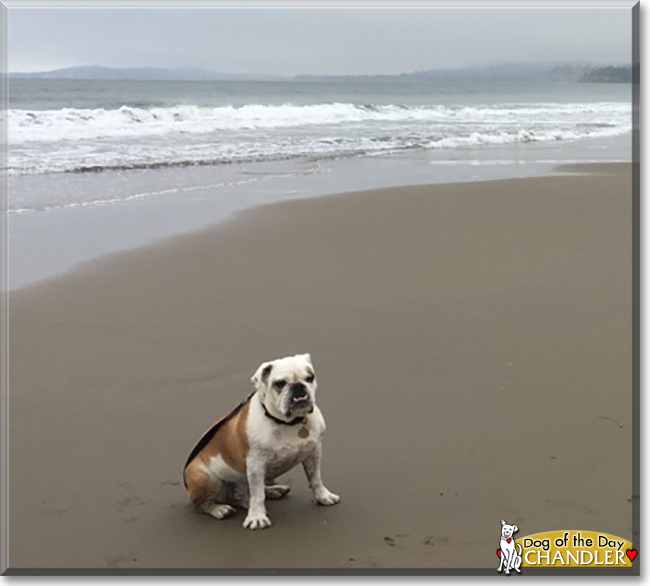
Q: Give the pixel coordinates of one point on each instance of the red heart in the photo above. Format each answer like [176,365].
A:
[508,540]
[499,552]
[631,553]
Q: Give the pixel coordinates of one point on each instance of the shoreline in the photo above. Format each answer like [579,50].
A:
[465,333]
[51,243]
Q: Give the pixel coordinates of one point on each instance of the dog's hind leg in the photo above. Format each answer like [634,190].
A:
[518,560]
[204,492]
[276,491]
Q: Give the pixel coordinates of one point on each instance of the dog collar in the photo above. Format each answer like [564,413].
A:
[296,421]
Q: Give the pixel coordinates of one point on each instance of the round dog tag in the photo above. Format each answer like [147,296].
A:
[303,432]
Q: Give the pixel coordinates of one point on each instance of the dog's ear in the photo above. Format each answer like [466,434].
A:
[515,528]
[503,522]
[307,358]
[262,374]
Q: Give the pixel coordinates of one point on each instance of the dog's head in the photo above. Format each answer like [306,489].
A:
[508,530]
[287,386]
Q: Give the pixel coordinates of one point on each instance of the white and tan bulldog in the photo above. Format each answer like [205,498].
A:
[274,429]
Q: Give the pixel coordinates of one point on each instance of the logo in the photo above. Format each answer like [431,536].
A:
[509,550]
[563,549]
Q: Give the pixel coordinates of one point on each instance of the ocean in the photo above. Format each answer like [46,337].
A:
[83,126]
[204,150]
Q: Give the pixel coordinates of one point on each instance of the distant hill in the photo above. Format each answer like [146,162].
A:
[607,75]
[545,72]
[94,72]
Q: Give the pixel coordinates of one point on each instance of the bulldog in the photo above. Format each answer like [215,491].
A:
[278,426]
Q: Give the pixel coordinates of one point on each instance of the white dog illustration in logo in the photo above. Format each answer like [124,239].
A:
[510,558]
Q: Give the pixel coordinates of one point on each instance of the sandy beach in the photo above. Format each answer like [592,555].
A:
[473,345]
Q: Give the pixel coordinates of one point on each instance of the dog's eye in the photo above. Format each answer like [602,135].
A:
[280,384]
[310,378]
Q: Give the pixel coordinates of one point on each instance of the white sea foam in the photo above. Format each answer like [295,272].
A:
[75,124]
[72,139]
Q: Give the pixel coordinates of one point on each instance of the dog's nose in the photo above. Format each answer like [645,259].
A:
[298,390]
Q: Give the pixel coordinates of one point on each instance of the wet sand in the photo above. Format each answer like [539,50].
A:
[473,344]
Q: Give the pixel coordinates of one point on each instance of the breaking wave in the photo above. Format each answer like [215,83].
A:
[81,140]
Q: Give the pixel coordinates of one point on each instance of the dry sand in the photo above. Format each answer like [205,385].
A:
[473,344]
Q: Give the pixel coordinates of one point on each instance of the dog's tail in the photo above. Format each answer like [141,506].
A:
[518,545]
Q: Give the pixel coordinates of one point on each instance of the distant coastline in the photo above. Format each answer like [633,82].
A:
[95,72]
[608,75]
[551,72]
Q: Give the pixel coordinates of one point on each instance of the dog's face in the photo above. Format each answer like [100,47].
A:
[287,386]
[508,530]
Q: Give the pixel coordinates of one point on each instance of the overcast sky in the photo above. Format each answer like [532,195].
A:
[314,41]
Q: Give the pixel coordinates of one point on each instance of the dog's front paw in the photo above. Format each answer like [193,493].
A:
[327,498]
[257,521]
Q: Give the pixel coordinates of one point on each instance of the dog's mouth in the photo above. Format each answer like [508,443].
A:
[299,404]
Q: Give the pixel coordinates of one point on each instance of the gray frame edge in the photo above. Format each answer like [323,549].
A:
[4,314]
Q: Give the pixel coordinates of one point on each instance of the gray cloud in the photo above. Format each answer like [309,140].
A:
[314,41]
